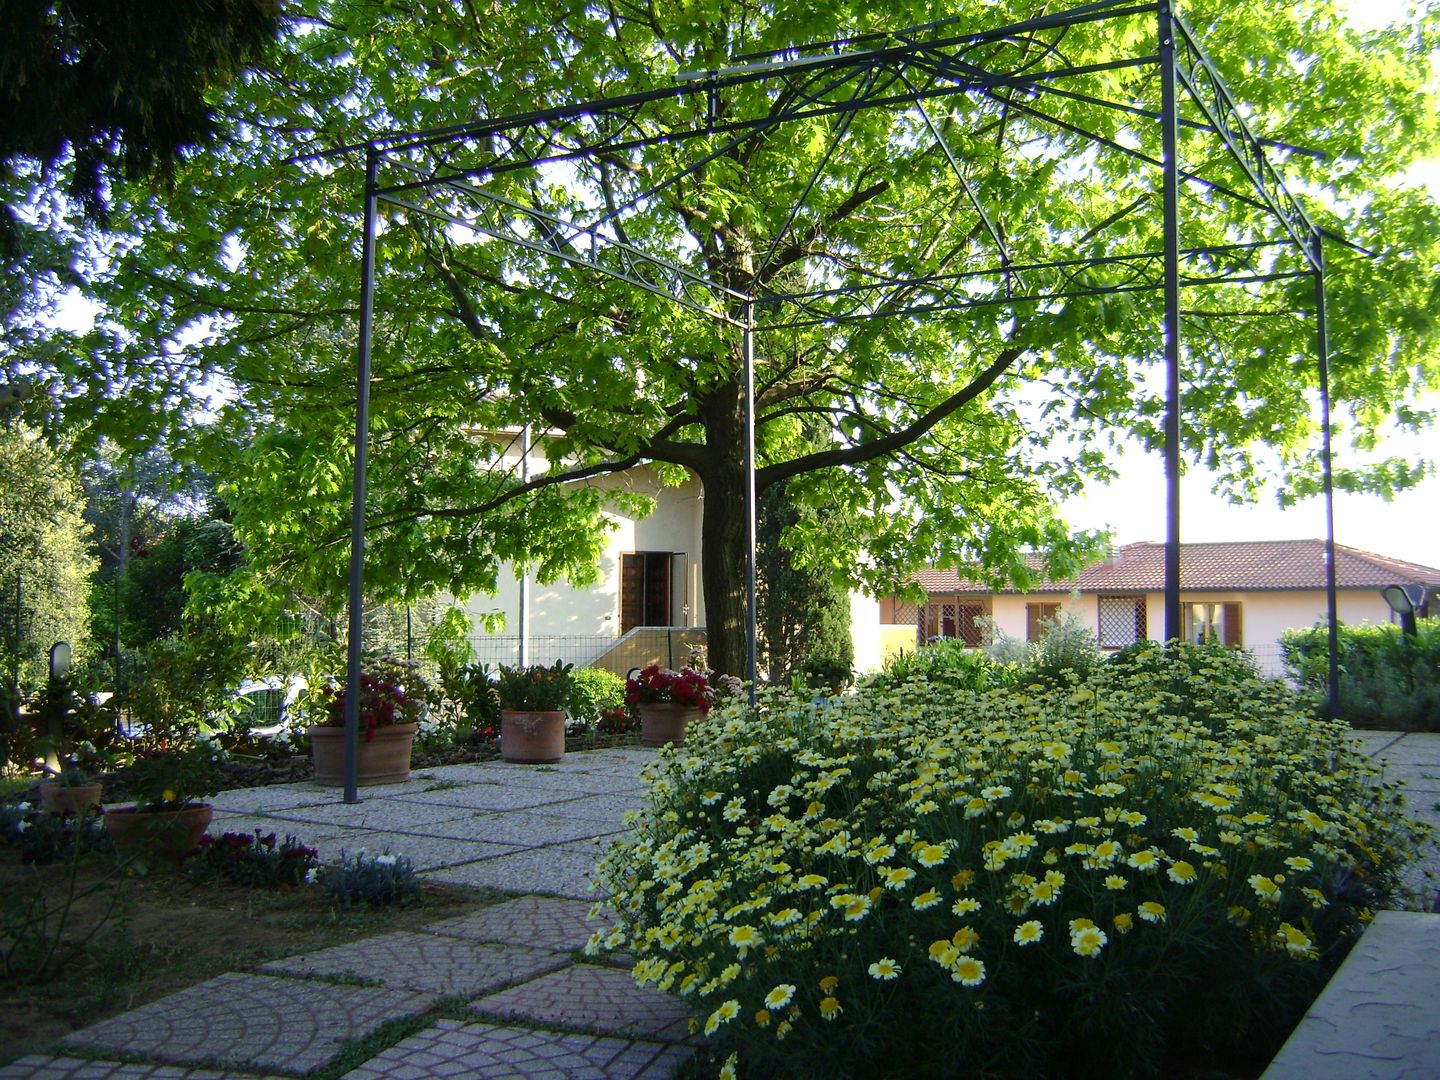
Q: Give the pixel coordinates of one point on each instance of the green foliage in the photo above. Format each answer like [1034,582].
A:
[536,688]
[804,612]
[933,453]
[63,65]
[175,775]
[1386,679]
[370,880]
[470,697]
[44,562]
[1066,651]
[253,859]
[947,662]
[177,686]
[1106,879]
[593,691]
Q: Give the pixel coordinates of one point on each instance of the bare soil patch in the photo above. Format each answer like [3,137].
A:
[129,940]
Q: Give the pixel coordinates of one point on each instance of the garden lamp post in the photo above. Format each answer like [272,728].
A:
[1405,601]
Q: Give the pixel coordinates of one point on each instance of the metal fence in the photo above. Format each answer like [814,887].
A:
[668,646]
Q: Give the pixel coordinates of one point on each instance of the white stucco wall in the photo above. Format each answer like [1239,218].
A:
[560,609]
[1265,616]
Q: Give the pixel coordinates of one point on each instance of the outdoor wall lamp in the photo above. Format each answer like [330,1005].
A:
[1405,601]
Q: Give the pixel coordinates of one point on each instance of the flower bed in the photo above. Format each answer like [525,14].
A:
[1161,863]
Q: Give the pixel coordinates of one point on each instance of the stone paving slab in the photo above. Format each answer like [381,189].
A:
[1413,749]
[39,1067]
[534,828]
[543,922]
[582,783]
[492,1052]
[486,795]
[425,852]
[1416,778]
[608,809]
[1375,1019]
[274,797]
[257,1022]
[542,870]
[389,814]
[1371,742]
[447,966]
[592,998]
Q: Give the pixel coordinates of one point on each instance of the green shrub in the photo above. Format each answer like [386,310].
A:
[593,691]
[1386,679]
[1065,649]
[370,880]
[1160,865]
[947,662]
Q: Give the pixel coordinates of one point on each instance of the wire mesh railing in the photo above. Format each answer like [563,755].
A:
[668,646]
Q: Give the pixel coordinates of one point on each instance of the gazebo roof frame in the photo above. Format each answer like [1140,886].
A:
[841,78]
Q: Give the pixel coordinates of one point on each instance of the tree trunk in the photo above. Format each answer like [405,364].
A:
[722,532]
[723,555]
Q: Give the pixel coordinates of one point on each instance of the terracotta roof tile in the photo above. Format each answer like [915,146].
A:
[1243,565]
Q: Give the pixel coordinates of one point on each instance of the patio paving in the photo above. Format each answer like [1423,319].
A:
[490,1052]
[592,998]
[250,1021]
[426,963]
[516,828]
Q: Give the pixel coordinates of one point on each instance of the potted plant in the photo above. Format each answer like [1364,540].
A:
[667,702]
[532,712]
[390,706]
[169,784]
[74,790]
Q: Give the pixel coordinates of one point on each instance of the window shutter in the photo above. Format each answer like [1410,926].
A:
[632,591]
[1231,628]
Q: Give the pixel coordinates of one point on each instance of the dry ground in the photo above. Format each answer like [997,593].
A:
[134,939]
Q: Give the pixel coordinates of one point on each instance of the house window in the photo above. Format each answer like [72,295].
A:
[652,589]
[1212,623]
[1040,619]
[1122,621]
[954,619]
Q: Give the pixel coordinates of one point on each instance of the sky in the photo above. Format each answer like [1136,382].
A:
[1406,528]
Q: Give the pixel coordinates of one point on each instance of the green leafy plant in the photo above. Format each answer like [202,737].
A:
[1387,679]
[948,662]
[253,859]
[1162,862]
[370,880]
[174,776]
[594,690]
[536,688]
[472,699]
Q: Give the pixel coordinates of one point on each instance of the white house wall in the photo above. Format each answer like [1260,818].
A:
[1265,616]
[562,610]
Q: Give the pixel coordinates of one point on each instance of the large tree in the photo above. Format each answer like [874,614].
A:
[945,446]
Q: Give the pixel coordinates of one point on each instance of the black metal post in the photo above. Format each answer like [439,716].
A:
[748,353]
[1332,605]
[357,506]
[1171,194]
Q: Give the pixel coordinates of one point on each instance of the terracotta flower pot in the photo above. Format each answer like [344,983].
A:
[168,835]
[532,738]
[385,759]
[56,798]
[663,723]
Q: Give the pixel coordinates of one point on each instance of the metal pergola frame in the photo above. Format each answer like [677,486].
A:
[838,79]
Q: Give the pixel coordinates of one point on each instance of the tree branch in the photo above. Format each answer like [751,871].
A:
[855,455]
